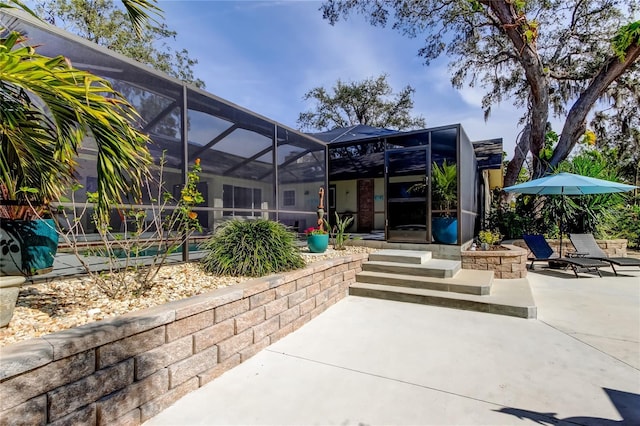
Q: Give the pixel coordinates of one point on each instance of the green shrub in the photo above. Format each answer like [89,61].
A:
[251,248]
[512,220]
[340,236]
[489,237]
[583,214]
[623,222]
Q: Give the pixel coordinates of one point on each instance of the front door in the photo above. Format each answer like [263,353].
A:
[365,205]
[407,189]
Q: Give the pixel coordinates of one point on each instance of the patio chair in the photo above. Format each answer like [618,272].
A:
[542,252]
[586,244]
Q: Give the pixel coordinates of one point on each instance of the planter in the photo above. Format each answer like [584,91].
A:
[445,229]
[9,289]
[509,262]
[318,243]
[27,247]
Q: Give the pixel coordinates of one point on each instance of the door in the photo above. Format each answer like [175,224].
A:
[407,189]
[365,205]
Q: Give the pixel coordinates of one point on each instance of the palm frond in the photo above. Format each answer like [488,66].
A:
[48,107]
[138,12]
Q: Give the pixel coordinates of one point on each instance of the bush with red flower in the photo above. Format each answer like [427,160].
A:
[315,231]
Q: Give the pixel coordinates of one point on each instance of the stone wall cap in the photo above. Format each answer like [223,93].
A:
[11,281]
[88,336]
[24,356]
[511,250]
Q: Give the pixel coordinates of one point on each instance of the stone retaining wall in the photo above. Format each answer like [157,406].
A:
[507,264]
[616,248]
[127,369]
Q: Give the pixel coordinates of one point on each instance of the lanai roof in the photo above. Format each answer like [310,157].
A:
[353,133]
[488,152]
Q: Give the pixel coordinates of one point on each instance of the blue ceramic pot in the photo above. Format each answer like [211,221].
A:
[318,243]
[445,229]
[27,247]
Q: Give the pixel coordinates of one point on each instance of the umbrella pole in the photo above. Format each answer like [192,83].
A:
[562,211]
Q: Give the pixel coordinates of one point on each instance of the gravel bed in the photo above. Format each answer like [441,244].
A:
[47,307]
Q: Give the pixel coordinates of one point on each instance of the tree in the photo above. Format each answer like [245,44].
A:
[617,128]
[370,102]
[550,56]
[101,22]
[47,108]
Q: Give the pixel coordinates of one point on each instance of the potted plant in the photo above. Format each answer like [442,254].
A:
[444,195]
[28,241]
[317,239]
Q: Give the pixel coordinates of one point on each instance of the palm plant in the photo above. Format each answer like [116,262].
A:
[47,108]
[445,185]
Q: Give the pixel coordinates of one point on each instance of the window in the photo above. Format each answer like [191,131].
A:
[289,198]
[239,199]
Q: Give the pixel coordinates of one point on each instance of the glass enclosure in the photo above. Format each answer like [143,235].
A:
[407,190]
[410,185]
[470,177]
[445,181]
[418,176]
[251,166]
[301,172]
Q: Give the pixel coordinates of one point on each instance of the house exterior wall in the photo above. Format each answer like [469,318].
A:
[347,201]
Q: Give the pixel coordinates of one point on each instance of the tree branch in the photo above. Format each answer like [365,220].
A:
[575,123]
[520,154]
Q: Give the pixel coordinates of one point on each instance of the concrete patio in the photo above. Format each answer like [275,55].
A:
[371,362]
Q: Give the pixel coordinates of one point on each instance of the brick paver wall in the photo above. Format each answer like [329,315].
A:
[615,248]
[506,264]
[127,369]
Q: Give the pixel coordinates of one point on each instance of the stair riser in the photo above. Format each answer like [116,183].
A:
[408,282]
[520,312]
[409,270]
[415,260]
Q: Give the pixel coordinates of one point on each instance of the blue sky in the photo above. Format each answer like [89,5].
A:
[265,55]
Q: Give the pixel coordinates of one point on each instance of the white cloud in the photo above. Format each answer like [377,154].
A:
[472,96]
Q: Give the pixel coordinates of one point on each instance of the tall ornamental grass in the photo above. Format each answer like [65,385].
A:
[251,248]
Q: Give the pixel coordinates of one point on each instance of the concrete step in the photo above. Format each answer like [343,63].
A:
[508,297]
[466,281]
[401,256]
[439,268]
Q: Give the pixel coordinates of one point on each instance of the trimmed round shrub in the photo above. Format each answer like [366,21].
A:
[251,248]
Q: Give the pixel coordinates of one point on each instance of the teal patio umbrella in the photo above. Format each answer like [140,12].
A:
[568,184]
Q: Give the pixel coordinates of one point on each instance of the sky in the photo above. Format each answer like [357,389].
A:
[265,55]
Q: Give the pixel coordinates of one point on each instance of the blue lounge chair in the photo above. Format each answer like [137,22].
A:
[542,252]
[586,244]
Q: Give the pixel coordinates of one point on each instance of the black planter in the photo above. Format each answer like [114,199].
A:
[27,247]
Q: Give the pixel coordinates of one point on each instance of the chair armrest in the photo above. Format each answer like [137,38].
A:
[577,254]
